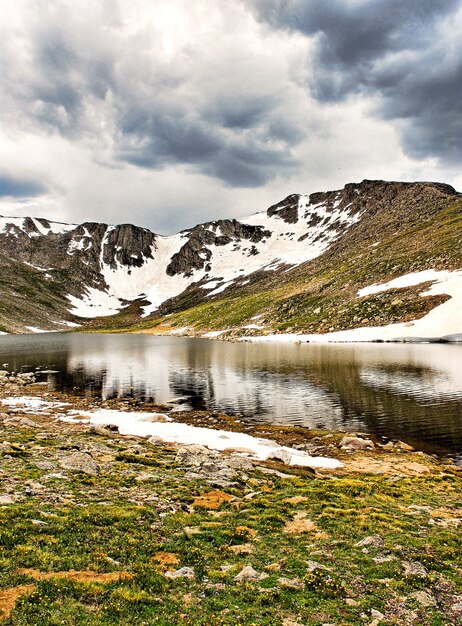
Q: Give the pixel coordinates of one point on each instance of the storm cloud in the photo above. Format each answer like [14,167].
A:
[173,112]
[407,56]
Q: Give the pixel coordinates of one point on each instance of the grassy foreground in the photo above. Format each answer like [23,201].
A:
[377,542]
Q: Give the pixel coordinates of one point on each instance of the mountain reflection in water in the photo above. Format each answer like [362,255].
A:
[405,391]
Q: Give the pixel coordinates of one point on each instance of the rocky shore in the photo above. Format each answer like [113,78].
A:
[102,528]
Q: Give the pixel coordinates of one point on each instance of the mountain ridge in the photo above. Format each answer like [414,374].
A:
[80,272]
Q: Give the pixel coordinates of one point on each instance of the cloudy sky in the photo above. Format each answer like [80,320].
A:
[165,113]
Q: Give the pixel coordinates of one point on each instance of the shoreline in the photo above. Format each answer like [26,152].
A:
[131,530]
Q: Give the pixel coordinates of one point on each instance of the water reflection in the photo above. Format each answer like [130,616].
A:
[409,391]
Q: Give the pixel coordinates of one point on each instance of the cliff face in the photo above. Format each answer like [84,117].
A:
[54,274]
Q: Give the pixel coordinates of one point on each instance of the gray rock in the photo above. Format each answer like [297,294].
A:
[80,462]
[373,540]
[423,598]
[281,455]
[356,443]
[183,572]
[6,499]
[291,583]
[384,558]
[377,614]
[248,573]
[194,456]
[314,565]
[414,568]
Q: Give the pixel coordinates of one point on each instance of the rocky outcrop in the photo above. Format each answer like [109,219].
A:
[44,262]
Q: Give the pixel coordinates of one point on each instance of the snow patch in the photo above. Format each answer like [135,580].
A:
[95,303]
[132,423]
[31,404]
[445,319]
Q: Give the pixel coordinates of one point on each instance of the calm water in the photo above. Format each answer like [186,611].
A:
[412,392]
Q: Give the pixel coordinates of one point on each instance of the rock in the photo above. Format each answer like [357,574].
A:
[388,446]
[24,421]
[419,508]
[314,565]
[291,583]
[423,598]
[80,462]
[183,572]
[402,445]
[414,568]
[155,440]
[351,602]
[280,455]
[194,455]
[248,573]
[239,463]
[384,558]
[377,614]
[6,499]
[356,443]
[373,540]
[102,429]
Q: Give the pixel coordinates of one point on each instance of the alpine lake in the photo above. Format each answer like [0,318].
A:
[411,392]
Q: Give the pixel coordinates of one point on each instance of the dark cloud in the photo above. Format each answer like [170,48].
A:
[243,159]
[10,187]
[158,114]
[390,49]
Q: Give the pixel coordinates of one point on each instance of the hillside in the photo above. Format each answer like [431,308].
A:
[297,267]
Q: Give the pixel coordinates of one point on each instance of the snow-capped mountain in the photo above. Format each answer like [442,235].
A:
[98,270]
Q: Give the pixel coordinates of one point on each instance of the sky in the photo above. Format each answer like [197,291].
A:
[167,113]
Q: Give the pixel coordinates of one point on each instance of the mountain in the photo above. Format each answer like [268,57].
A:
[298,266]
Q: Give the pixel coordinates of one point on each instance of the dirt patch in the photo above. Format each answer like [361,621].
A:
[245,530]
[378,467]
[165,561]
[295,500]
[8,598]
[243,548]
[300,524]
[79,576]
[212,499]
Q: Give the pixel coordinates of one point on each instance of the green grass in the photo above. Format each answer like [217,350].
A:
[114,522]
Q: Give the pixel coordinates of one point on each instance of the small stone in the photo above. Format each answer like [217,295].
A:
[248,573]
[414,568]
[373,540]
[377,614]
[314,565]
[356,443]
[351,602]
[291,583]
[284,456]
[6,499]
[80,462]
[183,572]
[401,445]
[226,568]
[423,598]
[417,507]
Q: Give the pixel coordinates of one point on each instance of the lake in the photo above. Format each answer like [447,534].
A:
[411,391]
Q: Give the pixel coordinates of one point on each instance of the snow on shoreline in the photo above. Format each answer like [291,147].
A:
[445,319]
[167,430]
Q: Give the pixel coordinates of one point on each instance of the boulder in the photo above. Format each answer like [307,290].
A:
[80,462]
[356,443]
